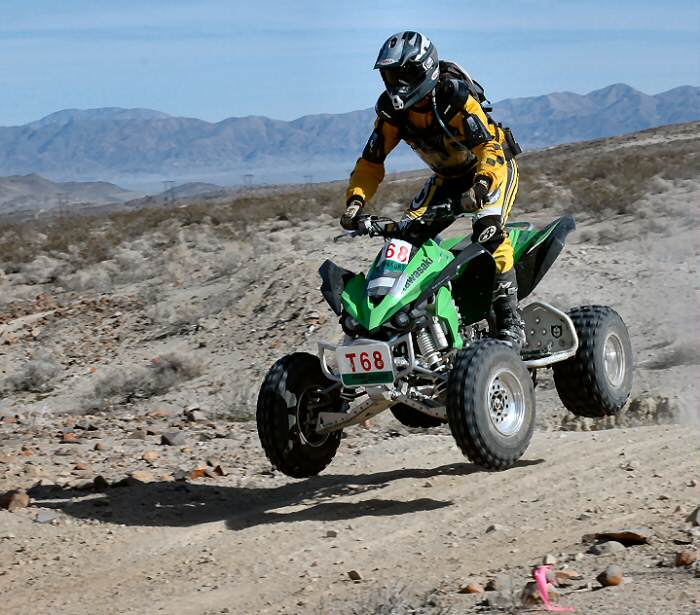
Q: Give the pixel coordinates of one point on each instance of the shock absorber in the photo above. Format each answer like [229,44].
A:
[438,333]
[427,348]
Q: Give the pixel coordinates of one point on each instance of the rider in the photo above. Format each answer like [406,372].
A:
[435,107]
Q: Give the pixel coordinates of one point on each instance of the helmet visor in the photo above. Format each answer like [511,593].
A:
[404,79]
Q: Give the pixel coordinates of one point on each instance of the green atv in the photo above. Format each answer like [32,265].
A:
[418,343]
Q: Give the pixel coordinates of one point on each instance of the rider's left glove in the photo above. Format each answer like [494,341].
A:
[349,218]
[481,188]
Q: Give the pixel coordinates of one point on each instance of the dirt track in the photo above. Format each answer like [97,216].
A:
[406,510]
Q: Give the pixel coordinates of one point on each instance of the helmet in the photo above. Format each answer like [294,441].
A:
[408,63]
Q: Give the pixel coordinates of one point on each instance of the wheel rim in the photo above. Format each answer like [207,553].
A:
[310,403]
[614,359]
[506,402]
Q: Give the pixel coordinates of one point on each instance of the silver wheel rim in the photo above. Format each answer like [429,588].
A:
[614,359]
[506,402]
[304,423]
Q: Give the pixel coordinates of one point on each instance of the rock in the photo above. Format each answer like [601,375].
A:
[579,557]
[331,534]
[194,414]
[100,483]
[694,517]
[549,560]
[609,547]
[686,557]
[14,500]
[81,466]
[220,471]
[692,483]
[70,437]
[611,576]
[531,596]
[137,434]
[501,582]
[47,516]
[197,473]
[161,414]
[101,446]
[173,438]
[562,576]
[471,588]
[142,476]
[354,576]
[636,536]
[496,528]
[500,600]
[150,456]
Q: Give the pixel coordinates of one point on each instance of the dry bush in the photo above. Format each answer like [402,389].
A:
[395,600]
[608,175]
[125,385]
[35,376]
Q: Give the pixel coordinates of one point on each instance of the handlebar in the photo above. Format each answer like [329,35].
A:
[411,229]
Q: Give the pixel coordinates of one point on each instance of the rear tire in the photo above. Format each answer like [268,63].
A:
[289,401]
[491,404]
[410,417]
[597,380]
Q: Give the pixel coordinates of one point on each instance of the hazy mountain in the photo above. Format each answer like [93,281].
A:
[34,192]
[135,146]
[565,117]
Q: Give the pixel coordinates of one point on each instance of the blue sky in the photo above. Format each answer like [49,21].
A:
[214,59]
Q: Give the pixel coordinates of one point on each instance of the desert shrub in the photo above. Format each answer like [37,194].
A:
[395,600]
[35,376]
[125,385]
[608,175]
[43,269]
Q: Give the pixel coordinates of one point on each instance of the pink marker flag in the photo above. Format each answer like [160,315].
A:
[540,575]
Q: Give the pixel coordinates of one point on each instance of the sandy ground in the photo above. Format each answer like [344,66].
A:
[114,354]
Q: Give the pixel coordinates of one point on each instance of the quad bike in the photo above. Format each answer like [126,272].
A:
[418,343]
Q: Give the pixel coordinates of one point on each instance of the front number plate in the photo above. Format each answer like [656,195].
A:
[365,364]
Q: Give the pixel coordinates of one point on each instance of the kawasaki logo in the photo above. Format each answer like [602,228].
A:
[418,272]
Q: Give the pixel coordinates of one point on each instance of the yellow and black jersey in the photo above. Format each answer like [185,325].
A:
[461,140]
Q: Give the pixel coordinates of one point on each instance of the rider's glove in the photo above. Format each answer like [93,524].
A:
[349,218]
[481,190]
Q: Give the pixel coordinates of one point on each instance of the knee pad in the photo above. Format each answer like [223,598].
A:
[488,231]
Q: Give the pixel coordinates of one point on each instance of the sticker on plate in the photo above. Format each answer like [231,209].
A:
[365,364]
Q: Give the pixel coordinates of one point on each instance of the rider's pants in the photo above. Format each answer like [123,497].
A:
[488,223]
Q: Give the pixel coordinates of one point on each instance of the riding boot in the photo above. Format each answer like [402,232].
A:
[509,326]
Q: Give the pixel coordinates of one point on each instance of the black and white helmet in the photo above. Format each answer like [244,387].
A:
[408,63]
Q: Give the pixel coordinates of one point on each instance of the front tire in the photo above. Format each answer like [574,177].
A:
[410,417]
[290,398]
[597,380]
[491,404]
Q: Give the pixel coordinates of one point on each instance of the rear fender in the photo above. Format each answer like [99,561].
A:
[534,257]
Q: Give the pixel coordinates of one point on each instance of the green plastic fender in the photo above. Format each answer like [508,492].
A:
[426,264]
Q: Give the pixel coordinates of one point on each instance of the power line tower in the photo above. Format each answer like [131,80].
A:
[169,193]
[308,179]
[248,180]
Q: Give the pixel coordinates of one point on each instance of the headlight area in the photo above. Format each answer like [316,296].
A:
[351,326]
[405,320]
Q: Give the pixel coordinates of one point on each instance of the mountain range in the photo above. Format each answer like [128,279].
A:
[140,147]
[34,192]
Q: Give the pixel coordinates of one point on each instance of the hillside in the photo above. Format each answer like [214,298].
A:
[33,192]
[143,147]
[133,345]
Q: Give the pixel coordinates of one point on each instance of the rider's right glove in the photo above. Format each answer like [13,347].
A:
[349,218]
